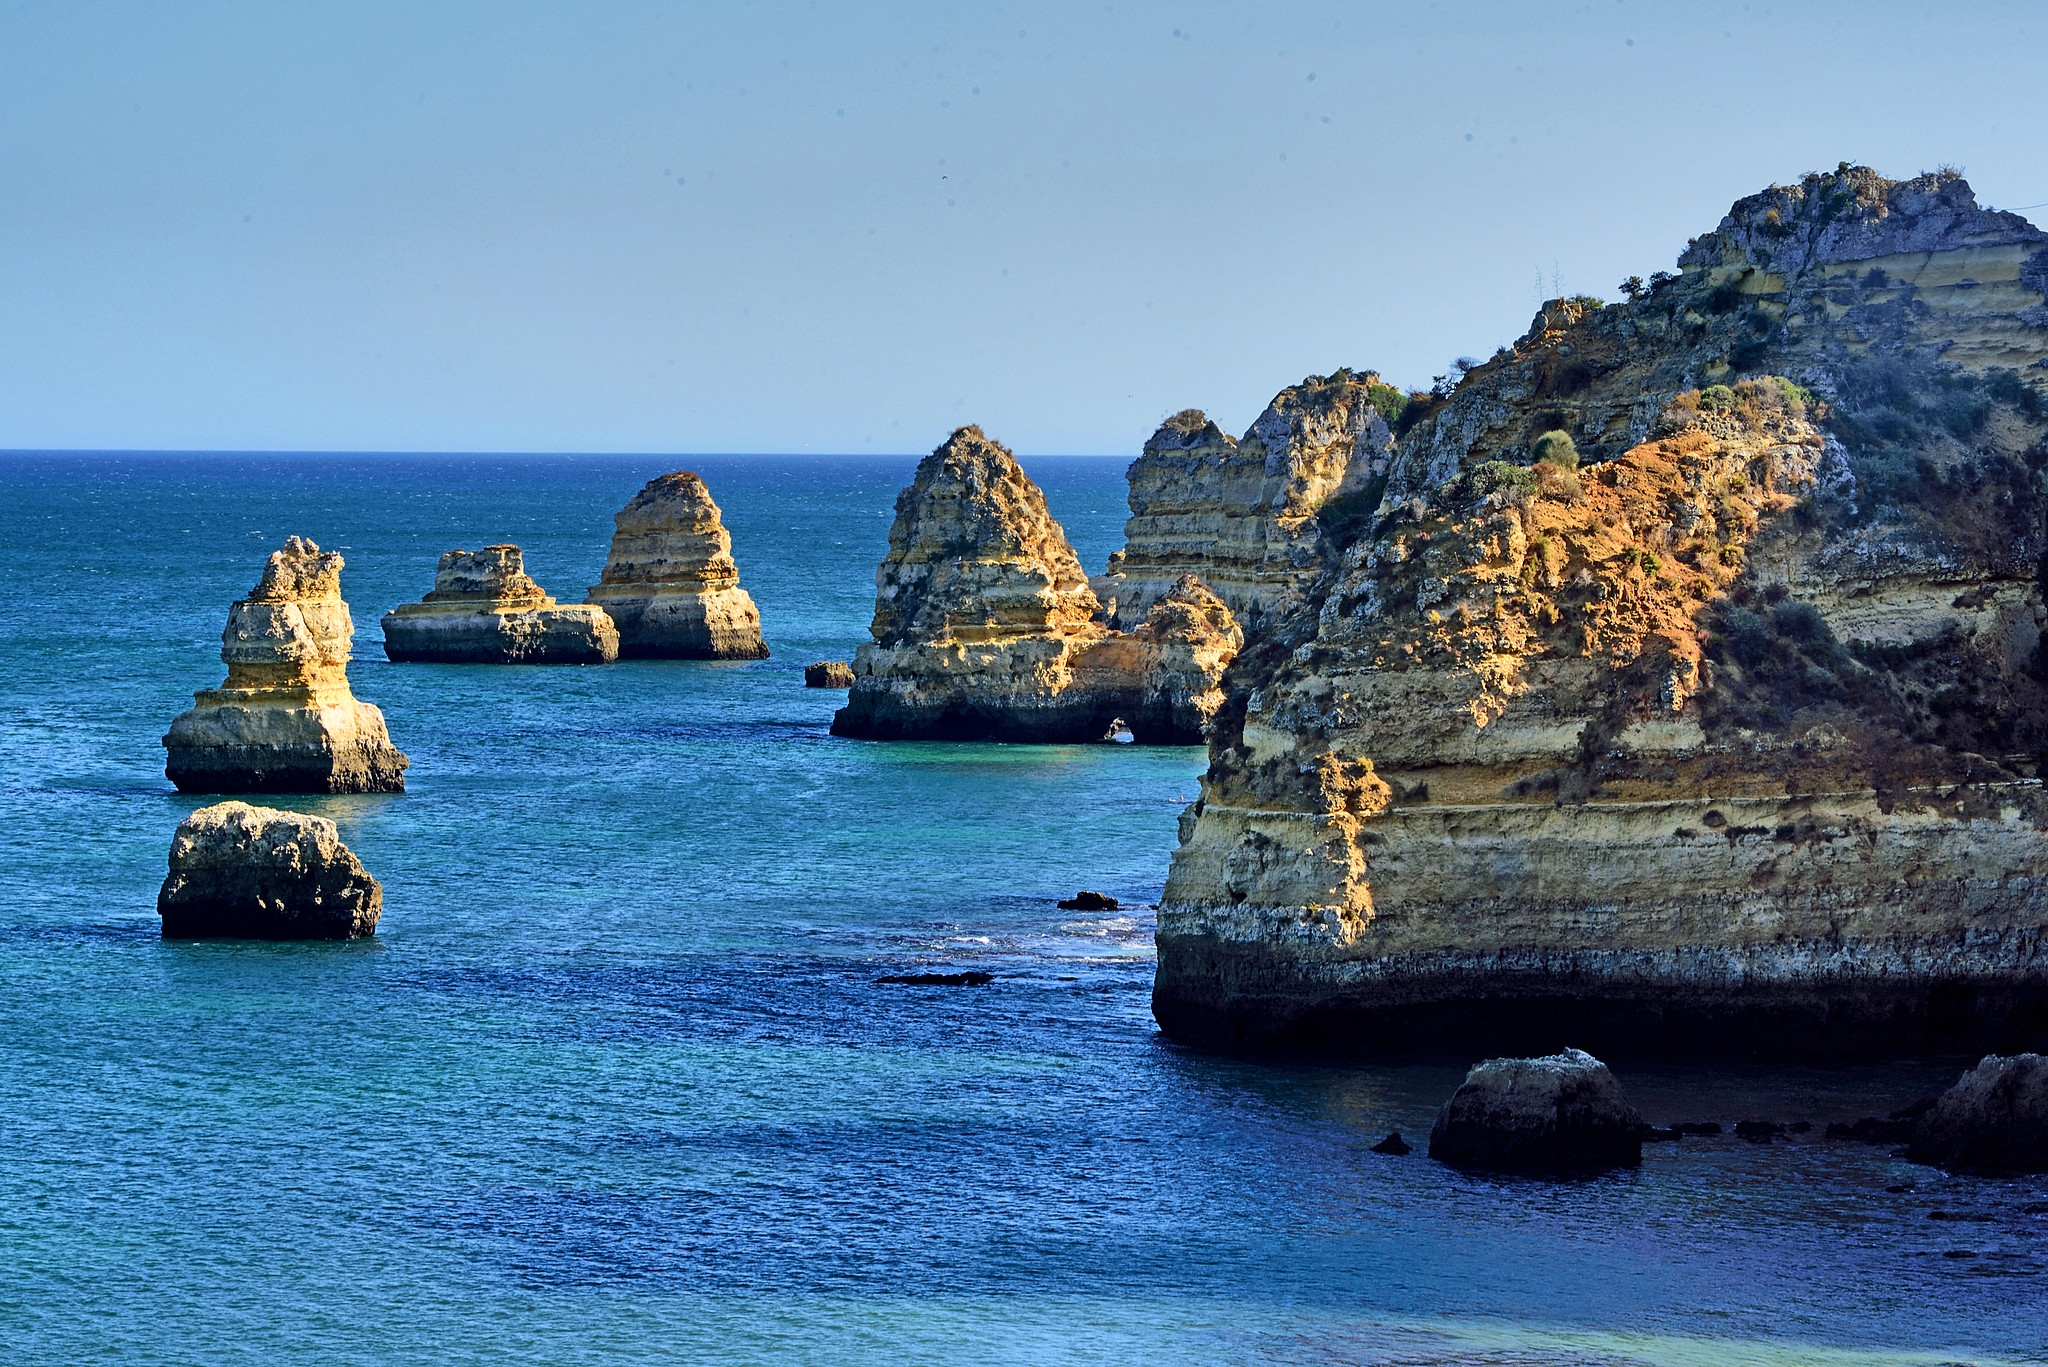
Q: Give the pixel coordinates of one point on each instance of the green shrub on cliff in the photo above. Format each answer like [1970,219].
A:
[1556,447]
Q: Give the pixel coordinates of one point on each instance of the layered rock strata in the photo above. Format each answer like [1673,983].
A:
[670,585]
[284,721]
[1241,516]
[485,609]
[1564,1113]
[262,874]
[985,627]
[1725,740]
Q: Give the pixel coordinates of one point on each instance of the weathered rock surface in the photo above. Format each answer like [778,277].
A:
[670,584]
[1725,741]
[828,674]
[262,874]
[1994,1120]
[284,721]
[485,609]
[985,627]
[1241,516]
[1564,1113]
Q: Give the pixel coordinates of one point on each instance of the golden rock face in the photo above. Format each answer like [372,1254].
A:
[985,626]
[670,584]
[485,609]
[1724,741]
[284,720]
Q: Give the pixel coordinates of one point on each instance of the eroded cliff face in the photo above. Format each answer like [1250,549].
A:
[670,585]
[1241,515]
[1724,741]
[284,721]
[985,626]
[485,609]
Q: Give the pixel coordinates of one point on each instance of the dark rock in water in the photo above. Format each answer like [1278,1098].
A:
[828,674]
[1395,1145]
[1089,901]
[2035,1208]
[262,874]
[1759,1131]
[1898,1188]
[1916,1109]
[1800,1127]
[1994,1120]
[1871,1130]
[1564,1113]
[1974,1217]
[1697,1127]
[972,978]
[1960,1253]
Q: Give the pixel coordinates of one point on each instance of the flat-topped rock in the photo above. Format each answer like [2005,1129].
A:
[284,721]
[670,584]
[263,874]
[485,609]
[1564,1113]
[828,674]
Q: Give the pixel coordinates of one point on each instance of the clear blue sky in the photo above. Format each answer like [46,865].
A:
[837,227]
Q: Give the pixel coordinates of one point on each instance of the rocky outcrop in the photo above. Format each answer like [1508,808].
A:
[284,721]
[262,874]
[1994,1120]
[828,674]
[1565,1113]
[1242,516]
[1723,740]
[484,609]
[985,627]
[670,584]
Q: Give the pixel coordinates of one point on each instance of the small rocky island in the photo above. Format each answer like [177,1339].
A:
[1674,683]
[262,874]
[986,629]
[485,609]
[670,584]
[285,721]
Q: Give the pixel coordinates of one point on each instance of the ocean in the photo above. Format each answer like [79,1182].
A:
[615,1083]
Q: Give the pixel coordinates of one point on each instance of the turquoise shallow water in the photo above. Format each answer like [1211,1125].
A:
[614,1083]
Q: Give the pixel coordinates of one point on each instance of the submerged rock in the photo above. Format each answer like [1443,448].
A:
[1715,730]
[484,609]
[828,674]
[262,874]
[1394,1144]
[670,584]
[1994,1120]
[971,978]
[985,627]
[284,721]
[1564,1113]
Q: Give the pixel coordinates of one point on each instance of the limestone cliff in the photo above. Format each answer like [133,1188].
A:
[1241,515]
[285,721]
[1721,740]
[485,609]
[985,627]
[670,584]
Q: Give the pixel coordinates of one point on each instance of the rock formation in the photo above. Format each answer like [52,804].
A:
[1994,1120]
[1241,516]
[670,584]
[285,721]
[828,674]
[262,874]
[1565,1113]
[484,609]
[985,627]
[1722,741]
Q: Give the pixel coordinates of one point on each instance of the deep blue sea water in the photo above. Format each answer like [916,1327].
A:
[614,1082]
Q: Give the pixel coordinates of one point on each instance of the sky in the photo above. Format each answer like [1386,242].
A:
[831,227]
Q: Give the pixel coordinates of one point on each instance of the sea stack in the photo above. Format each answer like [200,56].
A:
[985,627]
[1680,695]
[1242,516]
[1995,1119]
[670,584]
[285,721]
[261,874]
[1565,1113]
[484,609]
